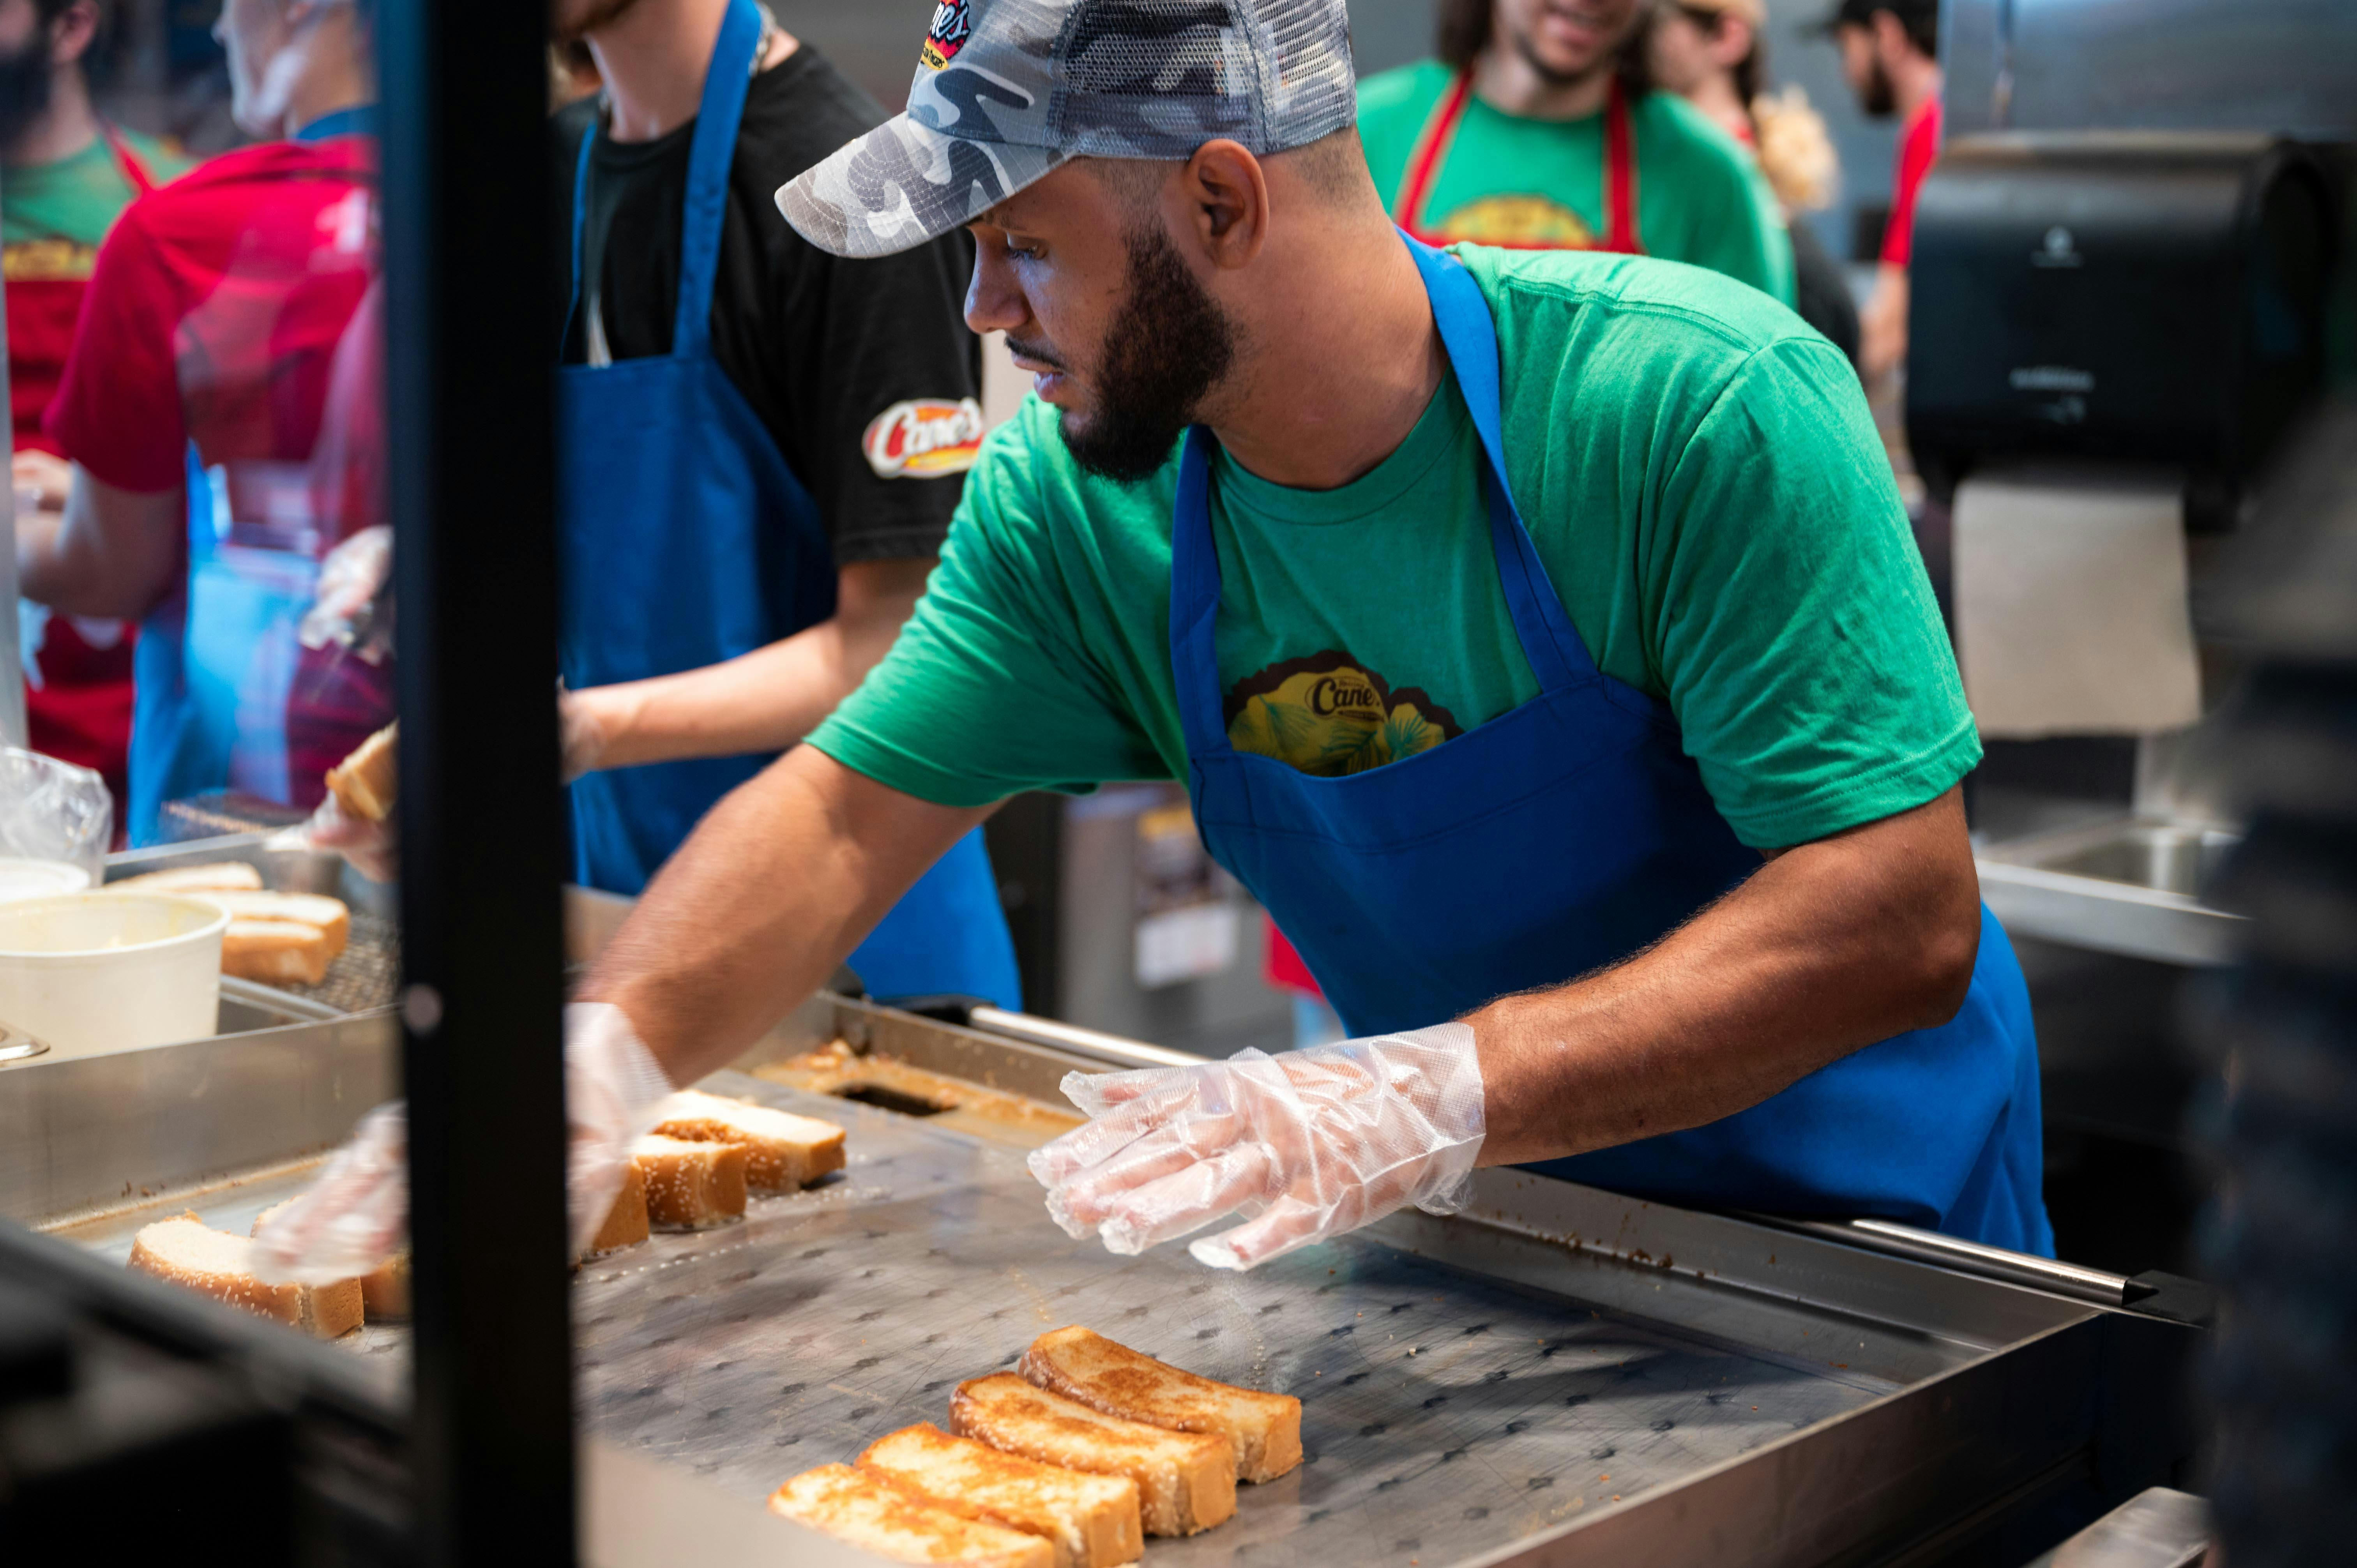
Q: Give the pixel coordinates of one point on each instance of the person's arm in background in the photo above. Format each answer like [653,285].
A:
[764,701]
[1882,324]
[111,552]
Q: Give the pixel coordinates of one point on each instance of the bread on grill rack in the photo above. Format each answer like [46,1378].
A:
[1090,1520]
[1185,1480]
[784,1152]
[691,1186]
[189,1253]
[878,1517]
[385,1289]
[275,952]
[626,1221]
[1080,1364]
[331,917]
[220,876]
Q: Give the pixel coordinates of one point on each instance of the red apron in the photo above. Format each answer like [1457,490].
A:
[78,684]
[1439,131]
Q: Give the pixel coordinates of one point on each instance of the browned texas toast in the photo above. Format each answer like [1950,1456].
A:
[1265,1429]
[783,1152]
[1185,1480]
[879,1517]
[1091,1521]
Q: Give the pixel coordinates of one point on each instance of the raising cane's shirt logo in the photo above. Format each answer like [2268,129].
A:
[1329,715]
[946,36]
[924,437]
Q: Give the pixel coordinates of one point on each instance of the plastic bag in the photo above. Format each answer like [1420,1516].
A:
[54,811]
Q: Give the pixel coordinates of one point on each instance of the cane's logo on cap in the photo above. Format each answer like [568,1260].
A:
[946,36]
[924,437]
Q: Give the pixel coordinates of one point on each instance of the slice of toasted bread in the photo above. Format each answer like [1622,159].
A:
[691,1185]
[366,782]
[330,917]
[385,1289]
[275,952]
[220,876]
[1091,1521]
[1185,1480]
[783,1152]
[1265,1429]
[626,1221]
[189,1253]
[880,1518]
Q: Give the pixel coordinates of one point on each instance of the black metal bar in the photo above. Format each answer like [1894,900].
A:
[467,209]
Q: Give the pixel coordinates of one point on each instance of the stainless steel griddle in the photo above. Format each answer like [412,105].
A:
[1559,1375]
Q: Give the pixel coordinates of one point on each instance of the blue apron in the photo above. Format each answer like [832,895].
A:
[1565,835]
[687,540]
[215,661]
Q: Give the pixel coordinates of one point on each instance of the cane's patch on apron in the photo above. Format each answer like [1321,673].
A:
[1329,715]
[1523,221]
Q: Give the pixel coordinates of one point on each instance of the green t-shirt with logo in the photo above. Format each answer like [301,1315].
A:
[53,215]
[1507,180]
[1706,492]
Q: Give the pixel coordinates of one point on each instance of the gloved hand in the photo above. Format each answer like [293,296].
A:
[357,1214]
[374,848]
[1310,1144]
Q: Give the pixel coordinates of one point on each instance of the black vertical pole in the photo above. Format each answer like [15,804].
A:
[467,209]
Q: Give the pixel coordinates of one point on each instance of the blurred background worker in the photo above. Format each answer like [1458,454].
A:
[1890,53]
[1537,129]
[192,408]
[761,446]
[1711,53]
[67,174]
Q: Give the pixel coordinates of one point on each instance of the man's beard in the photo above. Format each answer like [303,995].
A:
[24,88]
[1879,100]
[1170,344]
[1527,47]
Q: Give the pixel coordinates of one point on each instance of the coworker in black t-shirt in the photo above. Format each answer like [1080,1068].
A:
[747,523]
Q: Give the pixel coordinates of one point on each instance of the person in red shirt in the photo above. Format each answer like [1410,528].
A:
[68,174]
[1891,54]
[193,408]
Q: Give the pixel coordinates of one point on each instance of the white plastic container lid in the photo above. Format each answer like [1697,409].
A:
[25,878]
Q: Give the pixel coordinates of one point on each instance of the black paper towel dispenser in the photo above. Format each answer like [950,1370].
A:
[2146,297]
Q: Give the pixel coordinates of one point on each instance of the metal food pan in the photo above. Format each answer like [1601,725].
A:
[1559,1375]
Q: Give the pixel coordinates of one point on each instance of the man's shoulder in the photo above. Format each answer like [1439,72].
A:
[1678,310]
[1405,92]
[163,160]
[215,201]
[1025,479]
[799,112]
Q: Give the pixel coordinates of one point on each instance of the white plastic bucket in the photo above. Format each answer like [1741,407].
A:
[23,879]
[91,973]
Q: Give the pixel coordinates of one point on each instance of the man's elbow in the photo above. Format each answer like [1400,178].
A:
[1946,950]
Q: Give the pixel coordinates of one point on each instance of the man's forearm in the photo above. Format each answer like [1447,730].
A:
[113,552]
[772,891]
[1829,946]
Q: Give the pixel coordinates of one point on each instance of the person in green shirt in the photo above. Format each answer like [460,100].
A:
[1538,635]
[1537,129]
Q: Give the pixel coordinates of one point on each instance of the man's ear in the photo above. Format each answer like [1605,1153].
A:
[1225,192]
[72,31]
[1734,41]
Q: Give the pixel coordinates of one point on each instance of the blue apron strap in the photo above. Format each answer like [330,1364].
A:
[1558,657]
[1195,600]
[708,159]
[580,216]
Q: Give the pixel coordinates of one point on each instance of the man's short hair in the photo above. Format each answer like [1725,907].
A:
[1334,166]
[1921,19]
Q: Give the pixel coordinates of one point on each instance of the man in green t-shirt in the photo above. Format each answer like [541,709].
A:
[1536,130]
[67,175]
[1538,635]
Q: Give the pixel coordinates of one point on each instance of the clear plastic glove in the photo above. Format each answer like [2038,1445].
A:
[374,848]
[345,608]
[1308,1145]
[357,1214]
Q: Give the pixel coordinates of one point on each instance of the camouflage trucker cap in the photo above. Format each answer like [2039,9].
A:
[1007,90]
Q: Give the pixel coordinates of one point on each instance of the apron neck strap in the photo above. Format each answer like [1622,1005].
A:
[714,149]
[133,167]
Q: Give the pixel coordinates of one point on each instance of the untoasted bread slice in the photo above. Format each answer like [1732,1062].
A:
[1092,1521]
[385,1289]
[691,1185]
[275,952]
[366,782]
[783,1152]
[626,1222]
[189,1253]
[1265,1429]
[330,917]
[880,1518]
[1185,1480]
[220,876]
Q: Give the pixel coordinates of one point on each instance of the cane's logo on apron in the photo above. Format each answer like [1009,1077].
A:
[47,260]
[1522,222]
[1329,715]
[946,36]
